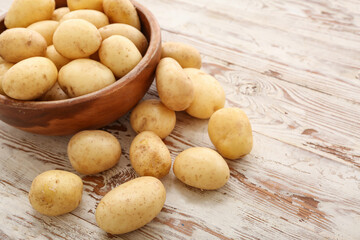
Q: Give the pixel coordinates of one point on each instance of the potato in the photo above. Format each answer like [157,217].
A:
[93,151]
[83,76]
[209,94]
[202,168]
[22,13]
[97,18]
[76,38]
[56,57]
[46,28]
[186,55]
[55,192]
[55,93]
[149,156]
[130,205]
[152,115]
[59,13]
[20,43]
[4,67]
[85,4]
[30,78]
[119,54]
[122,11]
[230,131]
[127,31]
[61,3]
[175,88]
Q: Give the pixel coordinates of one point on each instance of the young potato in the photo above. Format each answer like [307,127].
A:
[119,54]
[55,93]
[230,131]
[209,94]
[59,13]
[152,115]
[56,192]
[85,4]
[97,18]
[29,79]
[149,156]
[122,11]
[186,55]
[46,28]
[127,31]
[56,57]
[175,88]
[76,38]
[130,205]
[4,67]
[83,76]
[17,44]
[93,151]
[202,168]
[22,13]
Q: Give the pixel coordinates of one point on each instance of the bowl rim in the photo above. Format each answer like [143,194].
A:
[154,41]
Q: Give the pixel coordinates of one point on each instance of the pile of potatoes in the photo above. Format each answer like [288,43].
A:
[48,54]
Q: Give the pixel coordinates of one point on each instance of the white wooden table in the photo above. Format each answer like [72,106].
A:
[293,66]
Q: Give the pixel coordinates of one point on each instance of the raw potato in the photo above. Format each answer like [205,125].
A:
[46,28]
[55,192]
[149,156]
[230,132]
[59,13]
[17,44]
[186,55]
[85,4]
[76,38]
[127,31]
[119,54]
[30,78]
[152,115]
[93,151]
[122,11]
[56,57]
[131,205]
[209,94]
[22,13]
[83,76]
[4,67]
[202,168]
[175,88]
[55,93]
[97,18]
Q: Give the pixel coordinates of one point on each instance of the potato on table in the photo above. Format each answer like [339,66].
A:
[46,28]
[97,18]
[186,55]
[122,11]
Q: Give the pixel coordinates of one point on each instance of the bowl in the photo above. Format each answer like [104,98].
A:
[94,110]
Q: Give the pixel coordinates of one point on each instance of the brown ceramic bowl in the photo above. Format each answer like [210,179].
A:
[93,110]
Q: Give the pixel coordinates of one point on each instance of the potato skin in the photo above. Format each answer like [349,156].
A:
[83,76]
[46,28]
[55,192]
[127,31]
[56,57]
[230,131]
[119,54]
[97,18]
[4,67]
[59,13]
[202,168]
[85,4]
[209,94]
[130,205]
[186,55]
[149,156]
[175,89]
[76,38]
[93,151]
[17,44]
[22,13]
[122,11]
[30,78]
[152,115]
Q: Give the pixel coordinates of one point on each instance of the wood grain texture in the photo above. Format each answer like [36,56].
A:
[293,66]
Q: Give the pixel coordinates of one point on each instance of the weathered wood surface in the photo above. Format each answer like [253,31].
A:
[293,66]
